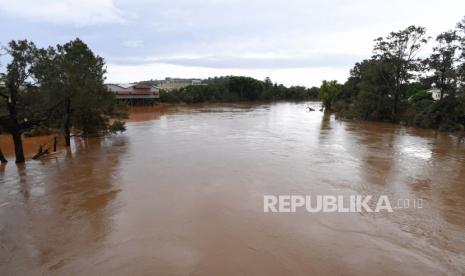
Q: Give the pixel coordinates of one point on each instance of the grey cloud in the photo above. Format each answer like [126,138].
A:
[321,60]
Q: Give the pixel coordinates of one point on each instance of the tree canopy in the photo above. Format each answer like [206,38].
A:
[392,85]
[238,88]
[58,87]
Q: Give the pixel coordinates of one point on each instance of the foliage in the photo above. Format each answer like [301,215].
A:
[40,130]
[399,50]
[445,115]
[393,85]
[421,95]
[73,77]
[57,87]
[246,87]
[16,114]
[329,90]
[232,88]
[442,63]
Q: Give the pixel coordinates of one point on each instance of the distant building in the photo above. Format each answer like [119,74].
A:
[169,84]
[435,93]
[134,91]
[2,80]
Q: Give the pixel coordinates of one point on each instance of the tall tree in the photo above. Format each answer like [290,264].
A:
[443,62]
[16,82]
[374,84]
[461,66]
[86,105]
[400,49]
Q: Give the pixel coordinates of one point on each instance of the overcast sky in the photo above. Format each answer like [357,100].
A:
[295,42]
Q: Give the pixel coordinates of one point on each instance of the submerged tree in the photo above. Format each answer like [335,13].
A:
[58,87]
[74,78]
[2,157]
[14,117]
[329,90]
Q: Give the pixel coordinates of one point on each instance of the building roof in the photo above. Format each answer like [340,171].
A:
[123,85]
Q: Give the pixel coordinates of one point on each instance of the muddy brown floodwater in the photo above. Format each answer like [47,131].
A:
[181,193]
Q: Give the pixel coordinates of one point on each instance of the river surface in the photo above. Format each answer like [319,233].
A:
[181,193]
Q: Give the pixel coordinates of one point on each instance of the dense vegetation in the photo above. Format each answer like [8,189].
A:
[58,88]
[232,88]
[392,85]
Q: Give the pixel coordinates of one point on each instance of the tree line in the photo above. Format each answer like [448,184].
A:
[393,84]
[59,88]
[237,88]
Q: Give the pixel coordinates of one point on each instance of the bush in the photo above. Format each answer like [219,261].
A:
[444,115]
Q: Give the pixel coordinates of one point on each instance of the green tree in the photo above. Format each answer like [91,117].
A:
[74,78]
[329,90]
[374,99]
[313,92]
[15,113]
[386,88]
[247,88]
[367,92]
[442,63]
[461,66]
[400,49]
[268,84]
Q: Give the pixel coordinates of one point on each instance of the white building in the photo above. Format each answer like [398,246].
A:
[134,91]
[169,84]
[435,93]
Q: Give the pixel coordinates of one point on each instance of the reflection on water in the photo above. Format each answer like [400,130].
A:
[56,208]
[181,192]
[30,145]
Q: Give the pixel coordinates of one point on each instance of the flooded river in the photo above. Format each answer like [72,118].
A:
[181,193]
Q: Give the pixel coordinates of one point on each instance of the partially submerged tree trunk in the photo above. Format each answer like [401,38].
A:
[41,152]
[2,157]
[18,142]
[397,87]
[16,83]
[67,136]
[15,126]
[67,124]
